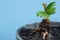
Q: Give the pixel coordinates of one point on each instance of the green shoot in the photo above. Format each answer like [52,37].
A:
[49,10]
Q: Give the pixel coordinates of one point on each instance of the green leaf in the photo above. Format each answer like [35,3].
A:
[50,8]
[42,14]
[52,4]
[51,11]
[39,13]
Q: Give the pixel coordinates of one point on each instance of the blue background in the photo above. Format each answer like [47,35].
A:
[16,13]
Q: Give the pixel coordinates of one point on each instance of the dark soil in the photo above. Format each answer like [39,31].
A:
[26,32]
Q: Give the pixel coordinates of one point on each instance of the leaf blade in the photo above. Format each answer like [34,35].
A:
[50,8]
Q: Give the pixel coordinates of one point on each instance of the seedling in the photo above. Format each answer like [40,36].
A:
[45,24]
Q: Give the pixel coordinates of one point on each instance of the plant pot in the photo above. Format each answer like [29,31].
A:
[24,33]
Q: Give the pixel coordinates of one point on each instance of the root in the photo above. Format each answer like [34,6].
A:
[45,34]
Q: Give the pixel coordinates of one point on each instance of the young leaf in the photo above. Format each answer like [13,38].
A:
[50,8]
[52,4]
[42,14]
